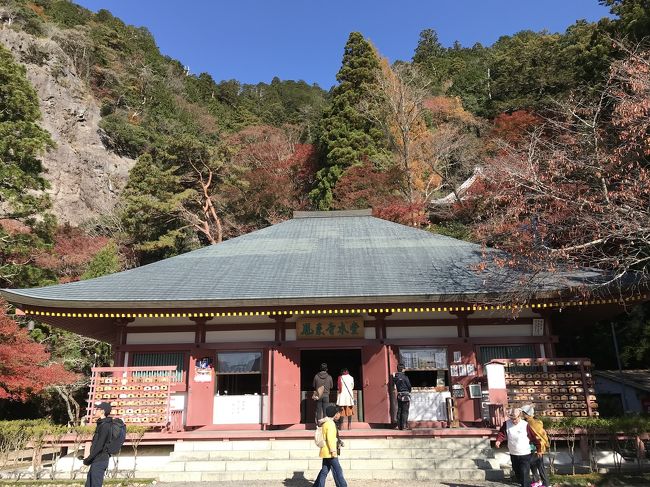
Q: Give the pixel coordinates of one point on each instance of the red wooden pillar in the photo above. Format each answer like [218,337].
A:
[285,390]
[200,381]
[376,404]
[469,410]
[120,339]
[200,389]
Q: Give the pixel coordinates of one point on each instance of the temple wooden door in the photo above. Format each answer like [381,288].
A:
[200,388]
[285,397]
[376,404]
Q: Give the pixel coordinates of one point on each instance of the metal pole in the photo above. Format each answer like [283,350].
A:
[620,369]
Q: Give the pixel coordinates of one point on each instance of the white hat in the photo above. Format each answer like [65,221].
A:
[528,410]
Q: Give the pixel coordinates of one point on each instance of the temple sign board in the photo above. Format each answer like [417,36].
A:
[329,327]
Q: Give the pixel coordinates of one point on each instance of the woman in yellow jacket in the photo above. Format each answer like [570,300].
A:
[329,452]
[537,463]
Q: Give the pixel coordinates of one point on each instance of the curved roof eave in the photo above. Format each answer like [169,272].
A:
[21,299]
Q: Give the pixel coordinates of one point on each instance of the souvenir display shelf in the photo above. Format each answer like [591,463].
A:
[558,387]
[138,395]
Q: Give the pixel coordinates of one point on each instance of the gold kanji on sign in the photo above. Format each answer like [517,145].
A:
[329,327]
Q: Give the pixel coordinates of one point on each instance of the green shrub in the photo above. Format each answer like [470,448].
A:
[122,137]
[67,14]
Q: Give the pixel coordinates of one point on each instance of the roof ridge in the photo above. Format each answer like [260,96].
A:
[331,213]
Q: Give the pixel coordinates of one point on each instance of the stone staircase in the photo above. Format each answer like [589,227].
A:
[441,459]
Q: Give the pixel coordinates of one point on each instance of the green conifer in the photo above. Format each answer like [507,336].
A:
[347,136]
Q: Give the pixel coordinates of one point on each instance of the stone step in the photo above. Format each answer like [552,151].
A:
[310,474]
[313,451]
[437,459]
[315,462]
[351,443]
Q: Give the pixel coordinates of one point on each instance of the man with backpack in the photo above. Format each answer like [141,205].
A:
[109,436]
[403,388]
[327,439]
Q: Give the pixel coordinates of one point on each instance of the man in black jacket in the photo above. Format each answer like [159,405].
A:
[403,388]
[98,457]
[322,385]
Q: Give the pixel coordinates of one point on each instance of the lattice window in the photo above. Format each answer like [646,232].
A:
[155,359]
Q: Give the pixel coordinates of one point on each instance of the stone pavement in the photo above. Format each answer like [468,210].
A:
[330,483]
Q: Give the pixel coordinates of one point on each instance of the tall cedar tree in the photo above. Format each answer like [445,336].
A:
[22,199]
[150,205]
[346,136]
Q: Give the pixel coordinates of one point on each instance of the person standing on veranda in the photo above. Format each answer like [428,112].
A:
[403,388]
[519,436]
[345,398]
[323,384]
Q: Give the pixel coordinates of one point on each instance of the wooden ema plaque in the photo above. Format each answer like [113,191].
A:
[138,395]
[555,387]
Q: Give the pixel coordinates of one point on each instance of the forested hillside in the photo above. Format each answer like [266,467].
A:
[113,155]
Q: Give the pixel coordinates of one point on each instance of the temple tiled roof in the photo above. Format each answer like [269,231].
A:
[315,258]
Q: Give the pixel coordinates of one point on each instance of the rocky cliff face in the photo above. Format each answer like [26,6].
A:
[85,178]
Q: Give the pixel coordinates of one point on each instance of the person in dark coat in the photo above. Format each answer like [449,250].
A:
[98,456]
[323,383]
[403,388]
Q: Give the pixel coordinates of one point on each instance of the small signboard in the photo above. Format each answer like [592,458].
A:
[538,327]
[329,327]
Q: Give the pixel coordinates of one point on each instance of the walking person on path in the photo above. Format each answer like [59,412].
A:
[345,398]
[98,456]
[537,461]
[330,451]
[403,388]
[519,436]
[322,386]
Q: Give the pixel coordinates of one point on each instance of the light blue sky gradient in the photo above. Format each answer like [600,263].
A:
[255,40]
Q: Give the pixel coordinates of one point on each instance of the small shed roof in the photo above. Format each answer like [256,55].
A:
[637,379]
[314,258]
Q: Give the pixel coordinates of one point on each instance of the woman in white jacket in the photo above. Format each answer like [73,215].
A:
[345,397]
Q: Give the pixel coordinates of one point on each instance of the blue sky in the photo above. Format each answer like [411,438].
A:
[255,40]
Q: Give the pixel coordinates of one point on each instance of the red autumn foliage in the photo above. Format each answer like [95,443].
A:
[24,364]
[276,175]
[514,127]
[71,253]
[14,227]
[576,193]
[364,186]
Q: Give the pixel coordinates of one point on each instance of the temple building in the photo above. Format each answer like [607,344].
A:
[247,323]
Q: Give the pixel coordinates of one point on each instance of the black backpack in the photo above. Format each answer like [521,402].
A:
[118,435]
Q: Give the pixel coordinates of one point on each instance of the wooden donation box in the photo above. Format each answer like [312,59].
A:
[138,395]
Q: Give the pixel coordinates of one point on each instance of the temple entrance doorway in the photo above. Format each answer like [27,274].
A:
[336,359]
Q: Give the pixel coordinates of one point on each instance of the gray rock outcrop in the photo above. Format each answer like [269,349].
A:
[85,178]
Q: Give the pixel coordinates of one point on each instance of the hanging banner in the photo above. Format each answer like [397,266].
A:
[329,327]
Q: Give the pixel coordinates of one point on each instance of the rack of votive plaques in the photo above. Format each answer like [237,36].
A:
[556,387]
[138,395]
